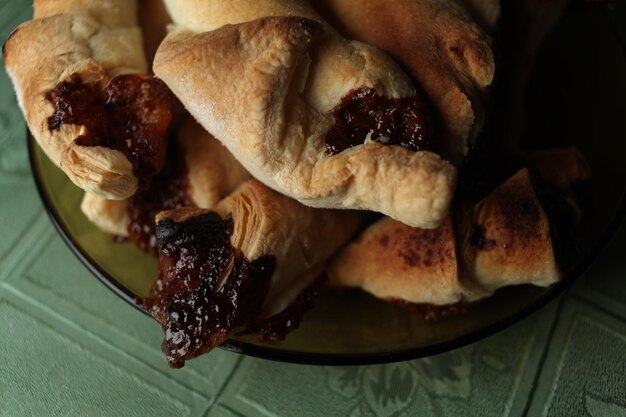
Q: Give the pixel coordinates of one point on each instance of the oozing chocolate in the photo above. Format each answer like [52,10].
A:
[206,288]
[432,312]
[363,113]
[169,190]
[131,115]
[277,328]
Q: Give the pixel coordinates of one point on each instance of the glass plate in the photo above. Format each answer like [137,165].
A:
[575,98]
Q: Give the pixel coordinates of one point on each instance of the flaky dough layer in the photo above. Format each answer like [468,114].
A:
[263,87]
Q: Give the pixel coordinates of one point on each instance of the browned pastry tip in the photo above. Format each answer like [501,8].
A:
[511,238]
[394,261]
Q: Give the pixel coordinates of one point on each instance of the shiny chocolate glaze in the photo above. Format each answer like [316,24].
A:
[206,288]
[364,114]
[132,114]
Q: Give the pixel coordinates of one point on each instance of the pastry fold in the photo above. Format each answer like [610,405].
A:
[239,265]
[506,239]
[81,80]
[200,167]
[270,90]
[444,49]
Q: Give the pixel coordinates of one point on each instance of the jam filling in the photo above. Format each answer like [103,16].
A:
[206,288]
[168,190]
[433,312]
[131,115]
[363,115]
[277,328]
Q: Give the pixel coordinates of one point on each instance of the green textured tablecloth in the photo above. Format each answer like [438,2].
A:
[69,347]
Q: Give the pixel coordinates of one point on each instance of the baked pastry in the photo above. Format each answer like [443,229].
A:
[199,172]
[442,46]
[305,111]
[505,240]
[239,265]
[399,263]
[80,75]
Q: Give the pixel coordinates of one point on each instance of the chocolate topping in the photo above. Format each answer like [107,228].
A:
[277,328]
[169,190]
[131,115]
[363,113]
[206,288]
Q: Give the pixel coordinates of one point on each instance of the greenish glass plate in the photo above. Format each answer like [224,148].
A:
[576,97]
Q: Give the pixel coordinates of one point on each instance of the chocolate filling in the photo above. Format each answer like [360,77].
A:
[364,114]
[277,328]
[169,190]
[206,288]
[131,115]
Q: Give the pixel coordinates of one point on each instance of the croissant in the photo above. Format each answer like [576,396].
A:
[238,266]
[80,75]
[306,112]
[444,49]
[506,239]
[199,172]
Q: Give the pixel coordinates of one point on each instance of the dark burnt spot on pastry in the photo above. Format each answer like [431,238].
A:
[277,328]
[168,190]
[205,288]
[425,248]
[363,115]
[132,114]
[478,239]
[433,312]
[384,241]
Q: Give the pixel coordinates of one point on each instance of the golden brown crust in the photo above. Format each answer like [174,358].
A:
[446,52]
[505,241]
[393,261]
[112,13]
[239,85]
[43,52]
[511,238]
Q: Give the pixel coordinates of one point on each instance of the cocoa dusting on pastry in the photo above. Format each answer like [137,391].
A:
[169,190]
[206,288]
[131,115]
[364,114]
[277,328]
[433,312]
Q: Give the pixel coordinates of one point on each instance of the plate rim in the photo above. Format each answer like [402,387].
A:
[332,359]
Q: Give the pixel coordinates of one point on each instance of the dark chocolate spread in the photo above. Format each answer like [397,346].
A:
[132,115]
[433,312]
[277,328]
[205,288]
[169,190]
[363,113]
